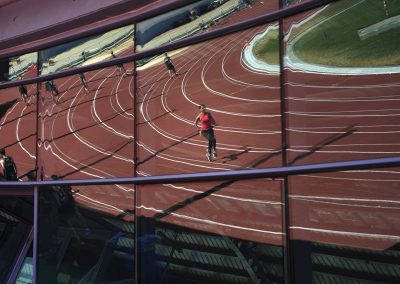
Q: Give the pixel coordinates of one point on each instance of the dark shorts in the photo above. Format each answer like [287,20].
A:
[169,65]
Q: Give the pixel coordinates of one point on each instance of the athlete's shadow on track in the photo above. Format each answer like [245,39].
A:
[347,131]
[233,157]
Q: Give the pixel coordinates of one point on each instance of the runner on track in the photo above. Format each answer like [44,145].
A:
[52,88]
[121,67]
[206,130]
[23,92]
[84,82]
[170,66]
[8,166]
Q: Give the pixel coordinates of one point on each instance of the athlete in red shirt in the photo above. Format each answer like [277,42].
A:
[206,130]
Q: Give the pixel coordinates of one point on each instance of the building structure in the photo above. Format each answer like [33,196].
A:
[114,185]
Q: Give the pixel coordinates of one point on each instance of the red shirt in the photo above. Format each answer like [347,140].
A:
[205,122]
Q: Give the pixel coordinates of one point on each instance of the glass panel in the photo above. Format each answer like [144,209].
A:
[24,66]
[16,219]
[86,126]
[88,50]
[240,89]
[25,275]
[86,234]
[18,131]
[342,73]
[198,17]
[286,3]
[214,232]
[345,226]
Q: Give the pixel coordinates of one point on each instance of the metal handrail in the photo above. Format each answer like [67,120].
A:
[227,175]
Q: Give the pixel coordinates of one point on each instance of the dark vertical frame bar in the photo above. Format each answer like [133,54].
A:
[287,267]
[136,219]
[35,232]
[38,85]
[21,257]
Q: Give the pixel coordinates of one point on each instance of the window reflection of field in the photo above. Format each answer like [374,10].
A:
[335,41]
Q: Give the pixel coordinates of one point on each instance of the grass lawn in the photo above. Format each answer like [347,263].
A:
[267,48]
[335,42]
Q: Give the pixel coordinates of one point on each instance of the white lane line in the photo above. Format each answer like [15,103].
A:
[347,233]
[210,222]
[99,204]
[123,112]
[339,87]
[325,198]
[185,161]
[18,138]
[191,141]
[97,117]
[186,79]
[348,113]
[352,179]
[343,151]
[182,188]
[245,68]
[348,100]
[215,56]
[87,143]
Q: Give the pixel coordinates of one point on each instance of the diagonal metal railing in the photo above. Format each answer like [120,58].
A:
[275,172]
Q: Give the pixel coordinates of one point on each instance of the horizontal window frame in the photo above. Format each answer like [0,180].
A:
[277,172]
[263,19]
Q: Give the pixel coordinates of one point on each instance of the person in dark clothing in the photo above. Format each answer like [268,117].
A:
[52,88]
[121,67]
[8,165]
[23,92]
[170,66]
[83,55]
[84,82]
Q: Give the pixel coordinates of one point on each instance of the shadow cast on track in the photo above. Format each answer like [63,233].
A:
[345,132]
[112,153]
[6,106]
[157,117]
[168,147]
[87,127]
[215,188]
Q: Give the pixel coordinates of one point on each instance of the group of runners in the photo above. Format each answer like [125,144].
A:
[204,120]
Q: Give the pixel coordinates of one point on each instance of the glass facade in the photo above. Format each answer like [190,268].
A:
[85,237]
[116,148]
[192,231]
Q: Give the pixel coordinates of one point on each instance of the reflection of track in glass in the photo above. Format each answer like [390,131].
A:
[246,107]
[344,117]
[94,123]
[16,127]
